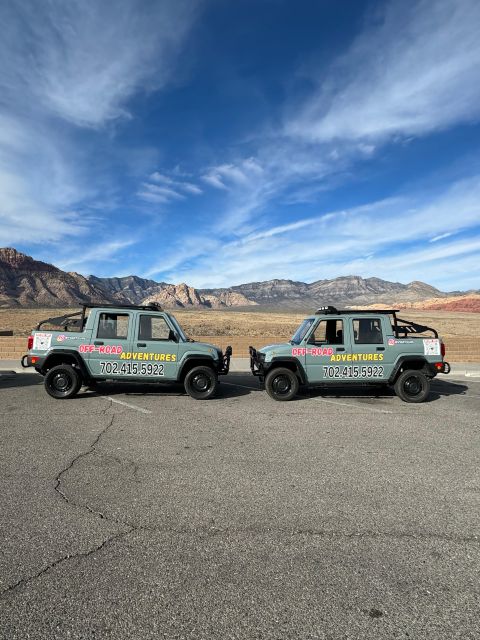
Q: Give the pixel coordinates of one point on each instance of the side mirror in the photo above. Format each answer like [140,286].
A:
[311,339]
[173,336]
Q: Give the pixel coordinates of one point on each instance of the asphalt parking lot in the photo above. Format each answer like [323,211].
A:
[138,512]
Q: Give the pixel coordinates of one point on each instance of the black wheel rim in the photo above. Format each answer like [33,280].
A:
[201,382]
[61,382]
[412,386]
[281,385]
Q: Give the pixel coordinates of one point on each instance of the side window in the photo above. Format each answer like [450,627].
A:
[328,332]
[113,325]
[367,331]
[153,328]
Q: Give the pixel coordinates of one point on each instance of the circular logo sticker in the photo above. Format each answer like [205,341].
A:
[61,338]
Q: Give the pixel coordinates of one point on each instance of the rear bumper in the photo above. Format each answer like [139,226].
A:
[438,367]
[32,361]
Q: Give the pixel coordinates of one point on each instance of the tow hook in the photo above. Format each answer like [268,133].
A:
[22,362]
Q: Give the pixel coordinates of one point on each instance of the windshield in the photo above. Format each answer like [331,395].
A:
[302,330]
[178,328]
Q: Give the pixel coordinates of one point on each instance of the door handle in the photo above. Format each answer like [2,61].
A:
[141,344]
[380,348]
[98,342]
[340,349]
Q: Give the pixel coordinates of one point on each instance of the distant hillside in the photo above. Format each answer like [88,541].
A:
[342,291]
[25,282]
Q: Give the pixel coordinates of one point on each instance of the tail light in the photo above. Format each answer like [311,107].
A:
[30,343]
[443,351]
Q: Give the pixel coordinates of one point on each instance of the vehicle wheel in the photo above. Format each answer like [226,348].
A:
[62,381]
[281,384]
[201,383]
[412,386]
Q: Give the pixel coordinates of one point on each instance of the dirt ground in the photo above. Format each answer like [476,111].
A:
[252,323]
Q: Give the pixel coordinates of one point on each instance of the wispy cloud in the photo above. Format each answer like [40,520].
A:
[163,188]
[68,66]
[157,194]
[442,236]
[385,238]
[82,60]
[97,253]
[413,71]
[228,175]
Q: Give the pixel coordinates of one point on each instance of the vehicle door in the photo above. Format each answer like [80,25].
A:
[155,348]
[368,348]
[111,337]
[324,344]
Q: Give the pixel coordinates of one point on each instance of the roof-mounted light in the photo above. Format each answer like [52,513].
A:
[326,310]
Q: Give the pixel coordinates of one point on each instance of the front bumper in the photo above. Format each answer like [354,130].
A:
[224,362]
[257,363]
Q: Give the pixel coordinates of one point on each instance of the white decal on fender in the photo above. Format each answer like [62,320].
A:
[431,347]
[42,341]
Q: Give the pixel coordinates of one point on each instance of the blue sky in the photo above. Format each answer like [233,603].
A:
[216,142]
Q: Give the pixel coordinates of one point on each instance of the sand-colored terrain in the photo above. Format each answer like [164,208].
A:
[253,323]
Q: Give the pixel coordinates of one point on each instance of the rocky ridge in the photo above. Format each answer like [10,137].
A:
[25,282]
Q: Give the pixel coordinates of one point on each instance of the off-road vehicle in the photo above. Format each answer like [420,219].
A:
[354,347]
[122,343]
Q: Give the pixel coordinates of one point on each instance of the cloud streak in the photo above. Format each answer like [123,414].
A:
[82,60]
[69,70]
[388,237]
[414,73]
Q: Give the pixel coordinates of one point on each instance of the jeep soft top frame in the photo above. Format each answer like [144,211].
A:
[66,324]
[400,330]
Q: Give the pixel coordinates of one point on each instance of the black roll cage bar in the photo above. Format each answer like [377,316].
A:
[62,321]
[401,331]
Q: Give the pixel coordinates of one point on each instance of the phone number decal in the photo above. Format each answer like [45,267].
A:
[353,372]
[132,368]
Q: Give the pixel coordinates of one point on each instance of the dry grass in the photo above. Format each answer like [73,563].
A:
[252,323]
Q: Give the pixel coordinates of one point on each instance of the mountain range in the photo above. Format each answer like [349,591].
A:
[25,282]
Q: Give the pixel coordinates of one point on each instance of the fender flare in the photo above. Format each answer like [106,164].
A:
[410,358]
[71,354]
[189,357]
[291,360]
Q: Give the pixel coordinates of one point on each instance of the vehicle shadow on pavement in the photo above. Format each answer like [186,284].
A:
[8,380]
[446,388]
[439,388]
[133,389]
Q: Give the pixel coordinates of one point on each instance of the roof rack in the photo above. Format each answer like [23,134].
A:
[151,306]
[332,310]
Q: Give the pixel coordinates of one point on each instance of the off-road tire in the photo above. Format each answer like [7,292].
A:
[412,386]
[201,383]
[62,382]
[281,384]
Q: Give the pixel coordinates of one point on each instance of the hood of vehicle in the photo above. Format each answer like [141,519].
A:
[280,347]
[203,346]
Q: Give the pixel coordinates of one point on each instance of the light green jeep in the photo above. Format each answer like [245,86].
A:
[125,343]
[354,347]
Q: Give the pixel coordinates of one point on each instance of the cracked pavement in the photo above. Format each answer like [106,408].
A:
[333,516]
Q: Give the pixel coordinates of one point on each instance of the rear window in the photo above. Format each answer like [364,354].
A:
[367,331]
[113,325]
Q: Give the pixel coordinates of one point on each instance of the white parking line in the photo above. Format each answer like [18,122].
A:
[245,386]
[354,406]
[126,404]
